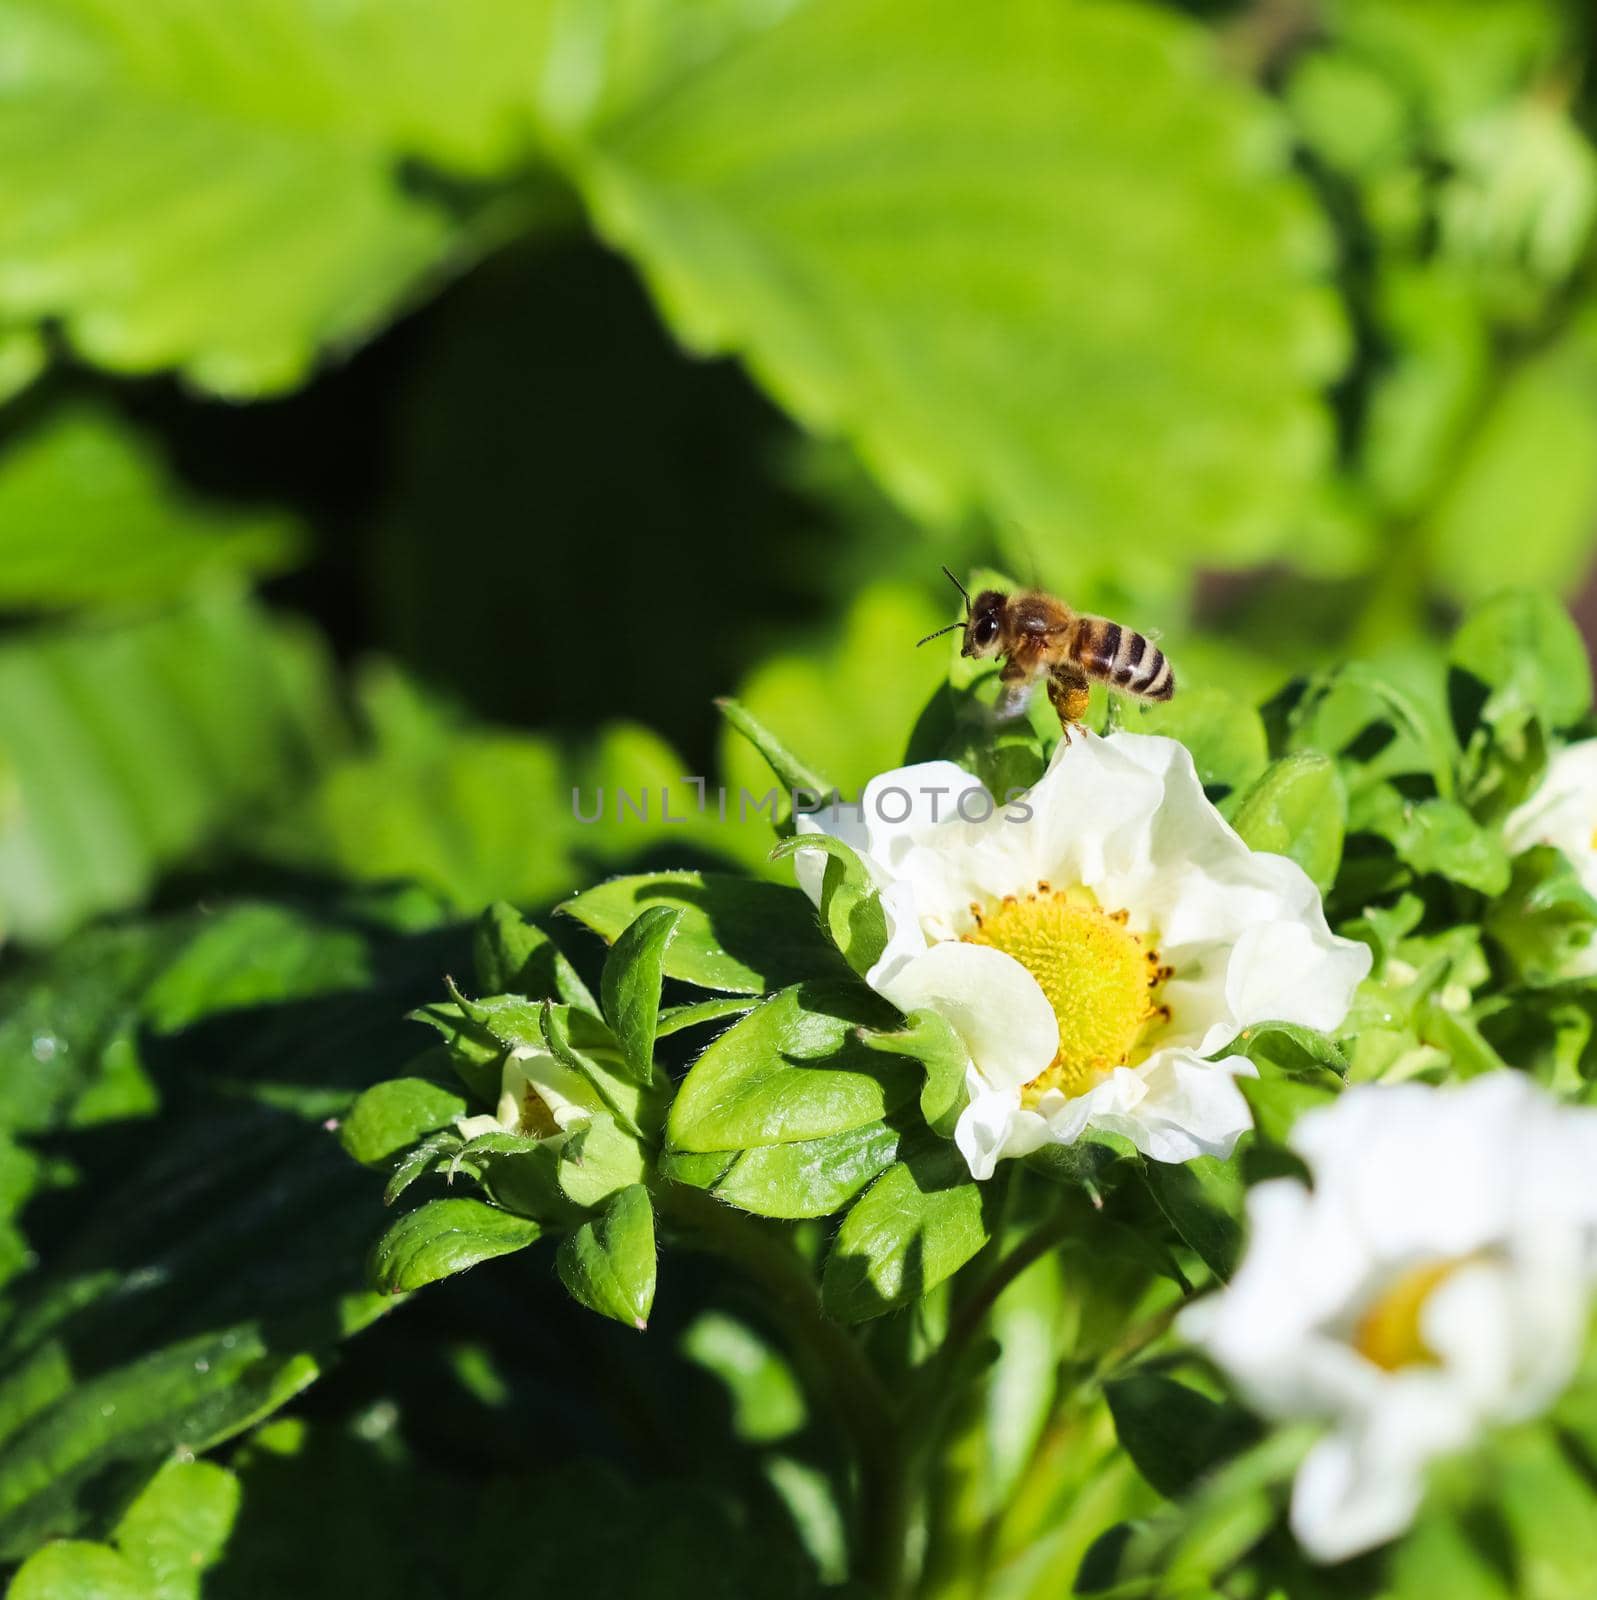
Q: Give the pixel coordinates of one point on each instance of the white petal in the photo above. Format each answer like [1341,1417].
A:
[1190,1107]
[476,1127]
[1563,811]
[995,1126]
[992,1003]
[1343,1503]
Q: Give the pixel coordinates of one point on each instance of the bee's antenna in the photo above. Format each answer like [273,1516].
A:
[962,589]
[938,635]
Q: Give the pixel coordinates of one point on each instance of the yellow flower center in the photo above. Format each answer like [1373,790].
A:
[1100,978]
[537,1120]
[1389,1332]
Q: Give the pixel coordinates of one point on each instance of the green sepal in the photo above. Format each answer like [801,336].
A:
[514,956]
[584,1044]
[929,1038]
[851,906]
[676,1018]
[630,985]
[442,1238]
[1289,1047]
[608,1264]
[793,772]
[393,1115]
[476,1056]
[416,1163]
[519,1173]
[598,1159]
[1297,808]
[917,1225]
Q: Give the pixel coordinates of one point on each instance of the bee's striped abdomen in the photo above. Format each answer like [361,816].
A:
[1129,661]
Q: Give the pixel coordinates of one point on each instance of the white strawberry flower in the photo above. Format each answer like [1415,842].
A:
[1092,942]
[539,1098]
[1435,1280]
[1563,813]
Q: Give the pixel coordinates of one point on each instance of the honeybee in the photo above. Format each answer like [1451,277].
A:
[1041,636]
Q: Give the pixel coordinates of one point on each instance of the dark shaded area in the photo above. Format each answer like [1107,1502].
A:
[527,494]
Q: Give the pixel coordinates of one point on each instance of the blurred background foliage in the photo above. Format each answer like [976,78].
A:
[415,413]
[364,483]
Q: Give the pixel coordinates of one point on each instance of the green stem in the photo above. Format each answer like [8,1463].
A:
[832,1361]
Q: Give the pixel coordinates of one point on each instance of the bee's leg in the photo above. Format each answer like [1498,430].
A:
[1015,694]
[1069,691]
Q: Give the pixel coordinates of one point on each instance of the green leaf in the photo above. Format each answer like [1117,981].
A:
[1172,1433]
[515,956]
[792,1070]
[630,985]
[1202,1200]
[1527,653]
[1545,921]
[734,934]
[1444,1554]
[1297,809]
[851,907]
[810,1177]
[391,1117]
[90,516]
[233,202]
[23,356]
[793,773]
[123,749]
[1528,482]
[178,1526]
[198,1273]
[444,1237]
[1278,1102]
[75,1570]
[767,1399]
[849,252]
[1436,836]
[608,1263]
[449,811]
[1224,733]
[918,1224]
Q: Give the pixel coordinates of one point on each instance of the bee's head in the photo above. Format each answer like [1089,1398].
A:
[985,624]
